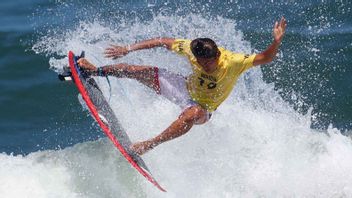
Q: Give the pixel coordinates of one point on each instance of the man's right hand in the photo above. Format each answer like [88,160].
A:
[116,51]
[86,65]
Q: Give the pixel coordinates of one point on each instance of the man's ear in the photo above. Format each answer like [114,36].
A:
[218,54]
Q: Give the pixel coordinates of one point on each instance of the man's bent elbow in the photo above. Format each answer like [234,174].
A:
[167,42]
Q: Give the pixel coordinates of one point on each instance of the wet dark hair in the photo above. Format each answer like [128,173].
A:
[204,48]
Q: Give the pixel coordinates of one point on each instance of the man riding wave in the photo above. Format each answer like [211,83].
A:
[215,71]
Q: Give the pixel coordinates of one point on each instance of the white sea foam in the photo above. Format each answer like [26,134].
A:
[255,145]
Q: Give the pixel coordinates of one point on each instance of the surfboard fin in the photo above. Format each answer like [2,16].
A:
[82,54]
[66,75]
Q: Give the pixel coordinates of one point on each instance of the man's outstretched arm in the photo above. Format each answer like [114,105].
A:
[116,51]
[269,54]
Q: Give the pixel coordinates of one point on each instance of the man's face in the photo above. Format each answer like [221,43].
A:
[208,64]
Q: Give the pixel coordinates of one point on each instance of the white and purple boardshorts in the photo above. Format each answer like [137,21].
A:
[174,87]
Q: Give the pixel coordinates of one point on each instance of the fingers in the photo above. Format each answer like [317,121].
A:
[282,20]
[112,47]
[283,23]
[115,51]
[276,25]
[112,55]
[110,51]
[80,61]
[279,29]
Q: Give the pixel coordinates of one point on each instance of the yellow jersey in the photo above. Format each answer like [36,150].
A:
[210,89]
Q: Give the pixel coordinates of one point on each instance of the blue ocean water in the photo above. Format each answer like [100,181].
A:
[311,74]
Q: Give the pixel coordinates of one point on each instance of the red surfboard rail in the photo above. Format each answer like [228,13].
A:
[103,126]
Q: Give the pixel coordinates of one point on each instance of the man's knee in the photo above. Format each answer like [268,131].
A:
[196,114]
[203,119]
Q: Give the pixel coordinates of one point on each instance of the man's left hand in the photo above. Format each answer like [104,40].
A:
[279,30]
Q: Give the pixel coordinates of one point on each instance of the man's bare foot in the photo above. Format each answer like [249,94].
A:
[141,147]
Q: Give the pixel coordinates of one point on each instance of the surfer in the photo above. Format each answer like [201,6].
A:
[215,72]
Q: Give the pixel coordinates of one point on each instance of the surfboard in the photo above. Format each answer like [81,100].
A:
[101,111]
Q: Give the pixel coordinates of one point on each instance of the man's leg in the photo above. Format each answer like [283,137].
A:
[146,75]
[190,116]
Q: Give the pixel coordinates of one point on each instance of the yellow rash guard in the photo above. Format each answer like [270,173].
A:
[211,89]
